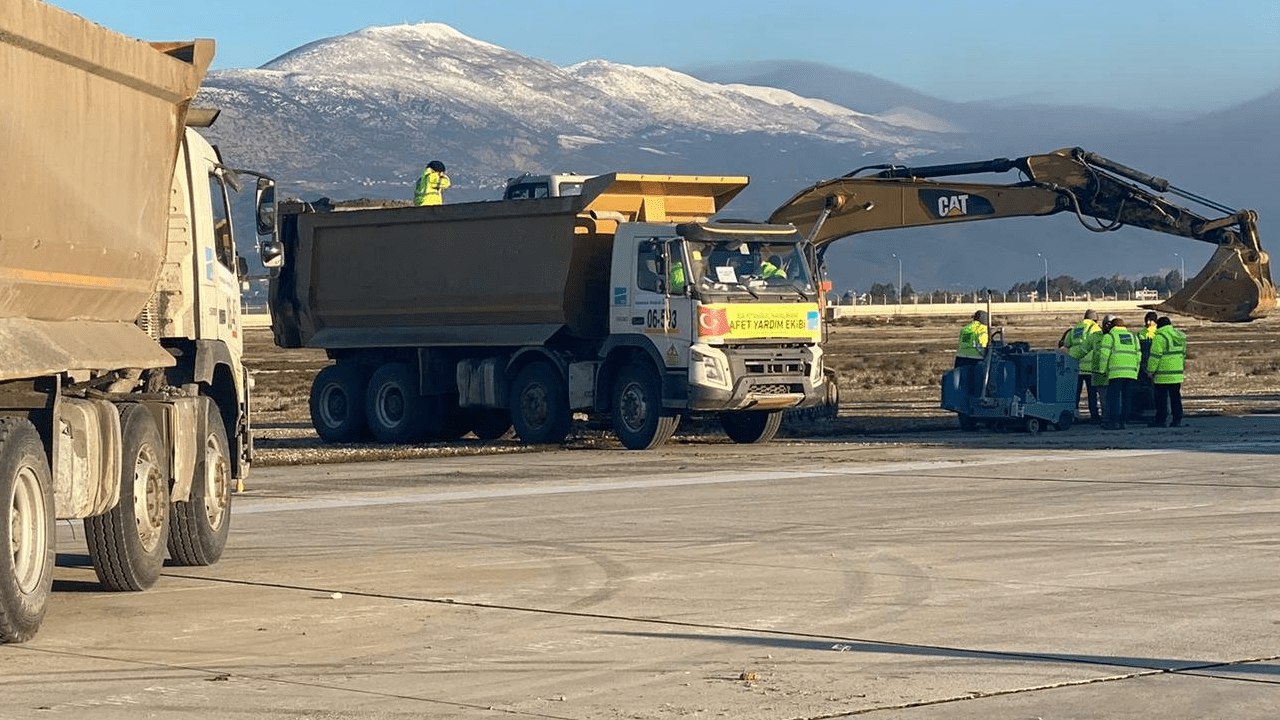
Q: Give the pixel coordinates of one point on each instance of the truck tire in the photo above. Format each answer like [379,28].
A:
[128,542]
[639,420]
[337,403]
[393,407]
[26,528]
[198,527]
[755,426]
[540,405]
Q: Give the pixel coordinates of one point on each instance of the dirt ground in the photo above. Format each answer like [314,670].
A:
[889,368]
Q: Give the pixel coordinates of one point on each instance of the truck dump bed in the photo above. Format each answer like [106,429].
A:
[89,131]
[500,273]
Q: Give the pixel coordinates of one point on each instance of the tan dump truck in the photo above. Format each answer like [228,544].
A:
[123,400]
[623,302]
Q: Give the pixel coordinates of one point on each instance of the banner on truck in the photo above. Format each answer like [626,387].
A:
[758,321]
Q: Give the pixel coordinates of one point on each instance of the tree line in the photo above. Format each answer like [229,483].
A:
[1062,286]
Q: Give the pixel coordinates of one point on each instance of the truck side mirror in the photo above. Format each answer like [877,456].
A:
[266,201]
[270,250]
[271,253]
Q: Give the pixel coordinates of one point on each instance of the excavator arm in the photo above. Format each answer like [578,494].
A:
[1234,286]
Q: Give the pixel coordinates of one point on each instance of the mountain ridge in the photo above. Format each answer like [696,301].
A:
[358,115]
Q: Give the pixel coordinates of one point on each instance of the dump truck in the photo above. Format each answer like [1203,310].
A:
[123,399]
[625,303]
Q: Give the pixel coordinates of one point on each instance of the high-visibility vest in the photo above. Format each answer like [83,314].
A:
[768,270]
[1077,342]
[1168,355]
[430,187]
[973,338]
[1119,355]
[1092,343]
[677,280]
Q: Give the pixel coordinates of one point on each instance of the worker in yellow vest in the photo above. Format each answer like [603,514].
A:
[1078,345]
[973,340]
[1165,366]
[1093,342]
[431,185]
[1118,358]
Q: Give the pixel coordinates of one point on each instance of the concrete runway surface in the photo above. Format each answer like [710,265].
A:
[1070,575]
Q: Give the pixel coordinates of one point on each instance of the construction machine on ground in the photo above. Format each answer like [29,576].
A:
[1235,285]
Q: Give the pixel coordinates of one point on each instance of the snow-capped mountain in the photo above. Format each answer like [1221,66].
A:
[361,113]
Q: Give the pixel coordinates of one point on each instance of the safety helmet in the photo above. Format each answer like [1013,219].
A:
[435,165]
[1090,315]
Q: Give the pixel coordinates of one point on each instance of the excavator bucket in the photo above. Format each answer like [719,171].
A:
[1235,286]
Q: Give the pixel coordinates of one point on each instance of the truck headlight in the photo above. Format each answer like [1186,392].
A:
[708,366]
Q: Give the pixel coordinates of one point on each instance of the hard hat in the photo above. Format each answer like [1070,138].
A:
[1090,315]
[435,165]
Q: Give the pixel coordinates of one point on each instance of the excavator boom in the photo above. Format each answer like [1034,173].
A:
[1234,286]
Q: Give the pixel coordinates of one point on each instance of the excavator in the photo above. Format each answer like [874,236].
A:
[1235,285]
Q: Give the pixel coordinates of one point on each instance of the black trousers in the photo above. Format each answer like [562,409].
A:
[1085,383]
[1119,392]
[1168,397]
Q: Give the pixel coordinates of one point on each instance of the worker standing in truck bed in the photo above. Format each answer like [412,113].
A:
[431,186]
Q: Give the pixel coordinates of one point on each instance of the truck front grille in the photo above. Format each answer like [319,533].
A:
[775,367]
[776,389]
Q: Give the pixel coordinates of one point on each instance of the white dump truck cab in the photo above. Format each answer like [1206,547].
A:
[532,187]
[730,313]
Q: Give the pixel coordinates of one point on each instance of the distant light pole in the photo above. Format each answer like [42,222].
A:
[1046,275]
[1182,271]
[895,256]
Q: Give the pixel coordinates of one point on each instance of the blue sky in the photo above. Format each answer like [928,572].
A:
[1181,54]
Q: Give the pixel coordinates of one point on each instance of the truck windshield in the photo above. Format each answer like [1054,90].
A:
[755,266]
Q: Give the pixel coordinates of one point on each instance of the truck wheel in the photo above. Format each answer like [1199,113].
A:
[1032,425]
[540,405]
[638,418]
[127,543]
[830,407]
[396,412]
[198,527]
[755,426]
[337,403]
[26,529]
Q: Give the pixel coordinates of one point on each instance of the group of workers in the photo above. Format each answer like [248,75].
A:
[1111,358]
[1114,358]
